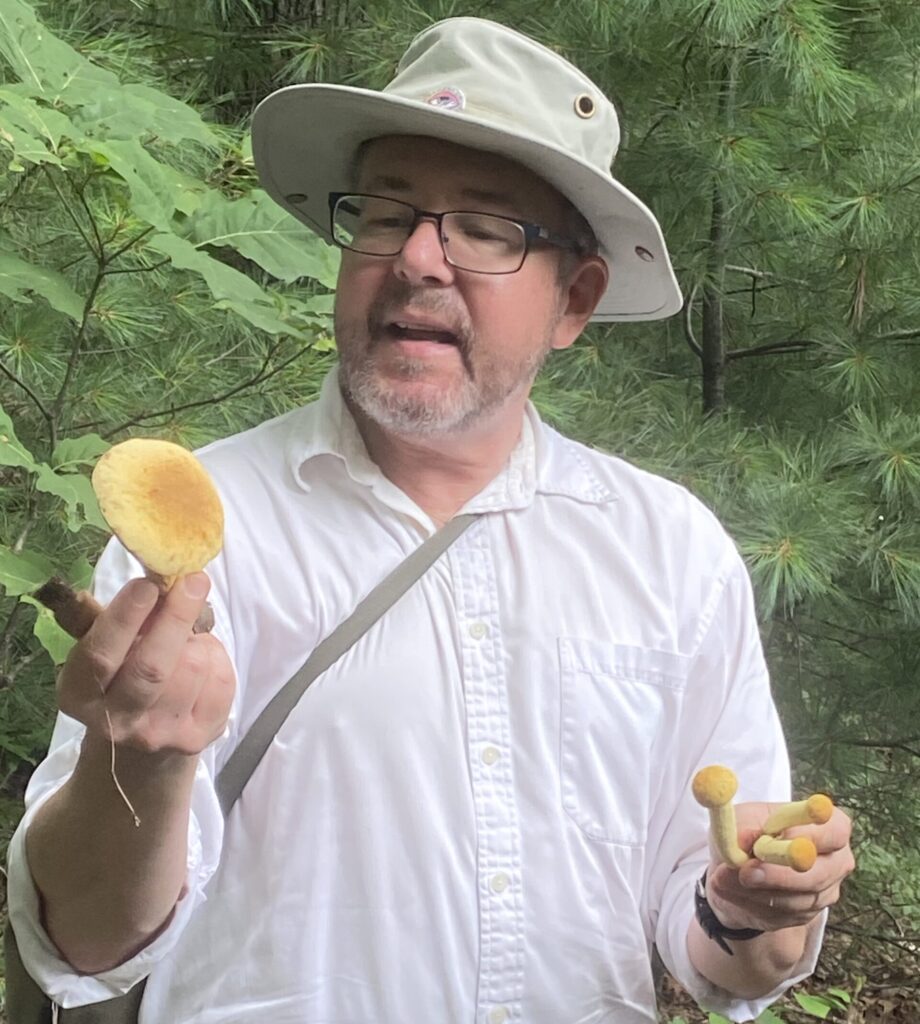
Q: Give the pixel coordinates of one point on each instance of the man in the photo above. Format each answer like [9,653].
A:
[482,811]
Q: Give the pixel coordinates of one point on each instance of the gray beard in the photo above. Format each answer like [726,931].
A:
[484,388]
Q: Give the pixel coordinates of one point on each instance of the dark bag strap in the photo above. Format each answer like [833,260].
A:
[25,1002]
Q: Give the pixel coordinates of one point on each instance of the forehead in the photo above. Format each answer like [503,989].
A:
[420,164]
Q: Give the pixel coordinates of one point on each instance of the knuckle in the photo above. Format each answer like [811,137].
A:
[147,670]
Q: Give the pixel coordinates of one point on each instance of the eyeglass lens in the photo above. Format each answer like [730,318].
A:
[472,241]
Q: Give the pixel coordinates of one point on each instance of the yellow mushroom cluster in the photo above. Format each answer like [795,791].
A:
[715,786]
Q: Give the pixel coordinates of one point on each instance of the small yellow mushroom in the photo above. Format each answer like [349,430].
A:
[162,505]
[816,810]
[714,787]
[799,854]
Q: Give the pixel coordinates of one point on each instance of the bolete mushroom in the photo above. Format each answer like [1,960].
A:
[816,810]
[162,505]
[799,854]
[714,787]
[164,508]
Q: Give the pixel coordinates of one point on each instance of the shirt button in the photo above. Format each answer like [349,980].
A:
[490,755]
[499,882]
[478,630]
[498,1015]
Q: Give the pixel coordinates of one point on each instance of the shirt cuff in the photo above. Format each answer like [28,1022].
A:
[716,1000]
[41,958]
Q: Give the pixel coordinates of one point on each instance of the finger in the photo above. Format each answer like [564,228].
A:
[829,869]
[97,658]
[829,837]
[153,660]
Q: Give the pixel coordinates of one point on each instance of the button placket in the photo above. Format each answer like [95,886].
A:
[488,730]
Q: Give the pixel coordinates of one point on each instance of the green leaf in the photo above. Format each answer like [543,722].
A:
[79,451]
[24,145]
[153,190]
[19,279]
[49,124]
[816,1006]
[80,574]
[49,634]
[264,233]
[76,492]
[12,452]
[843,996]
[49,68]
[23,572]
[769,1017]
[232,289]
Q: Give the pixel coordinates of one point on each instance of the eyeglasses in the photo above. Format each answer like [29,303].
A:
[480,242]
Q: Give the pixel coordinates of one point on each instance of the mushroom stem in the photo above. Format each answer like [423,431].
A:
[714,788]
[76,610]
[799,854]
[73,611]
[816,810]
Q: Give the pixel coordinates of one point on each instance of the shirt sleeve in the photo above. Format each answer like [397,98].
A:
[40,956]
[729,717]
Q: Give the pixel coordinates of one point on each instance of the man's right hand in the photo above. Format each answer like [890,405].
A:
[166,689]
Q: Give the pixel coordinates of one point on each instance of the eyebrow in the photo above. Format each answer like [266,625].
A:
[396,184]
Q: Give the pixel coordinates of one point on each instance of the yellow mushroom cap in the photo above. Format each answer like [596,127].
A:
[820,808]
[162,505]
[802,854]
[715,785]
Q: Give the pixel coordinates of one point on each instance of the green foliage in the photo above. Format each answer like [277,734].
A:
[150,285]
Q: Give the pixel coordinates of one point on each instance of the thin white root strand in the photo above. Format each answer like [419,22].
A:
[124,795]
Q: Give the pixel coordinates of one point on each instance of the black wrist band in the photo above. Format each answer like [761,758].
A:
[712,926]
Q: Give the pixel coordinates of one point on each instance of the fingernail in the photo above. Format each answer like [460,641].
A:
[144,593]
[754,877]
[195,585]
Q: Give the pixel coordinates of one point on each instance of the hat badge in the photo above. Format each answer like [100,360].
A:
[447,99]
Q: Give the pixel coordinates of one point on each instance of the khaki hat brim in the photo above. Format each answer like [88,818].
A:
[304,141]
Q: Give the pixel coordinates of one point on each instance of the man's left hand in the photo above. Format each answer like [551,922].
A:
[769,896]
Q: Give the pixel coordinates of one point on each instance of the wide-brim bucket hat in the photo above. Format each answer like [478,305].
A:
[479,84]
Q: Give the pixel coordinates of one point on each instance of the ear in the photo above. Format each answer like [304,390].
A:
[580,292]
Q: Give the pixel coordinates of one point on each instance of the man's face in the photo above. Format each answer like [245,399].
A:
[427,349]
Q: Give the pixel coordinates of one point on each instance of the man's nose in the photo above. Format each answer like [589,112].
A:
[422,258]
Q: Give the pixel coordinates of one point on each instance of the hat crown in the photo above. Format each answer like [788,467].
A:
[499,76]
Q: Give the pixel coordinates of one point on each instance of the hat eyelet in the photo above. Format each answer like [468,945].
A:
[297,197]
[644,254]
[585,106]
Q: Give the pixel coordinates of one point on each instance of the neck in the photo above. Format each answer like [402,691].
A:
[442,473]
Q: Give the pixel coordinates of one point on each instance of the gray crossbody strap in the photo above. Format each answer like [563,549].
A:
[242,763]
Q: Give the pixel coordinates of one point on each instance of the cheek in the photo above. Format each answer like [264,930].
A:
[517,314]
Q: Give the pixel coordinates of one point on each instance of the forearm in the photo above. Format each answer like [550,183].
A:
[757,967]
[107,886]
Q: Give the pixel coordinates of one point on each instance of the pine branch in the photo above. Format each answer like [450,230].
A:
[25,387]
[776,348]
[259,378]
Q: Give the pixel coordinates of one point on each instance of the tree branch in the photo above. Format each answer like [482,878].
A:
[688,324]
[259,378]
[770,350]
[25,387]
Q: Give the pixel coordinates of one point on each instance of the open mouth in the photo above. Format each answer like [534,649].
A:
[398,330]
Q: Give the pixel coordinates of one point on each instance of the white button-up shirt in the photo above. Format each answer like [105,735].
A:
[482,811]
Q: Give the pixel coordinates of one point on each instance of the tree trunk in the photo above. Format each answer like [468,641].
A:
[713,340]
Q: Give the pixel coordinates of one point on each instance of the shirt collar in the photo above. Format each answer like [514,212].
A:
[542,462]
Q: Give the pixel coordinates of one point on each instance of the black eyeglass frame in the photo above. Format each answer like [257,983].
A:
[532,232]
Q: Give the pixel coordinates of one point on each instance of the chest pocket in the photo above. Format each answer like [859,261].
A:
[618,708]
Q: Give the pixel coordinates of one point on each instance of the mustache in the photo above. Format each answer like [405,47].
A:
[423,301]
